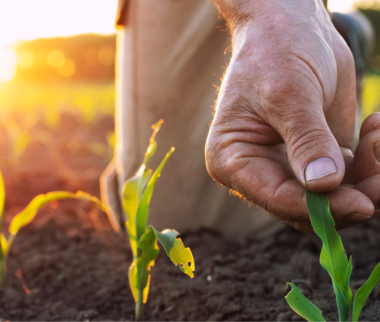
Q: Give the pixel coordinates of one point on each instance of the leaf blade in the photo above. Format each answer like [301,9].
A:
[152,142]
[176,250]
[143,208]
[363,292]
[130,201]
[302,306]
[139,271]
[333,257]
[26,216]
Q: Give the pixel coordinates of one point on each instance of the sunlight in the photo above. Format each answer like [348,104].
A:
[31,19]
[341,5]
[8,61]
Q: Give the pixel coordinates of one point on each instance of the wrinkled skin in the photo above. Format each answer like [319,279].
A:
[287,99]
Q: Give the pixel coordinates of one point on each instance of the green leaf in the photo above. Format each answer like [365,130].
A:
[27,215]
[2,198]
[143,208]
[341,301]
[363,293]
[348,293]
[132,276]
[175,249]
[333,257]
[133,192]
[152,142]
[130,201]
[139,272]
[86,196]
[302,306]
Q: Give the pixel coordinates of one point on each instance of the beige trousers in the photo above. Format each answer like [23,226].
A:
[170,60]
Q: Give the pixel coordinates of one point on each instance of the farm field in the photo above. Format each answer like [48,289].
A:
[75,266]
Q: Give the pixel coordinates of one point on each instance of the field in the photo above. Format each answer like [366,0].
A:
[60,137]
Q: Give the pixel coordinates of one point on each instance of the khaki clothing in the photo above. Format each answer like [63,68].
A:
[171,57]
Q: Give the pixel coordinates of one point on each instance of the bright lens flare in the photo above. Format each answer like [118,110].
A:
[67,68]
[56,58]
[8,62]
[25,59]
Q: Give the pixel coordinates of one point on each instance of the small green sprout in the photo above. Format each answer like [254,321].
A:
[334,260]
[26,216]
[137,194]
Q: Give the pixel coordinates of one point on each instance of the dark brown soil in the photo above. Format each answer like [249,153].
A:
[76,266]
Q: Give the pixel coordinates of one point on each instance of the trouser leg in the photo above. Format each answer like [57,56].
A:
[171,57]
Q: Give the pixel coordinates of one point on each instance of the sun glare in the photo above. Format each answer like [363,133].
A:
[8,61]
[341,5]
[32,19]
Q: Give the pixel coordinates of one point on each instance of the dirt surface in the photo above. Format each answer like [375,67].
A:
[76,267]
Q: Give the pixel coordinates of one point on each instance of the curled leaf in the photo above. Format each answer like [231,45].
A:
[26,216]
[302,306]
[175,249]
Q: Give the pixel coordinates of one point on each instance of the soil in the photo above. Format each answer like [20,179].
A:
[76,267]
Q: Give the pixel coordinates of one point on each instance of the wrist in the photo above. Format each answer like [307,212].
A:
[241,12]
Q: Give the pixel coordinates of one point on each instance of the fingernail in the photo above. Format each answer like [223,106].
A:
[355,217]
[319,168]
[376,126]
[377,152]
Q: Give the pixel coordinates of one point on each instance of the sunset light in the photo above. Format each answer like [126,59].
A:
[31,19]
[341,5]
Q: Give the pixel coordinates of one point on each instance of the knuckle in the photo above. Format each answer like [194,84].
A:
[305,137]
[215,164]
[222,163]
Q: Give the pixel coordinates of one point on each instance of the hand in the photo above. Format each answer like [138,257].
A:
[285,115]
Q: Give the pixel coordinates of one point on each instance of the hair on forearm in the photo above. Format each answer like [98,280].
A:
[235,12]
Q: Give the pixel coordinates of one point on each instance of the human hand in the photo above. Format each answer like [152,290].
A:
[285,115]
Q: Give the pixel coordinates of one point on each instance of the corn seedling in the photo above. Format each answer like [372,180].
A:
[334,260]
[26,216]
[137,194]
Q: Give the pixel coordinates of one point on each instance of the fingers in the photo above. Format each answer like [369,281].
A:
[272,185]
[366,162]
[370,124]
[370,187]
[315,129]
[313,152]
[348,206]
[297,110]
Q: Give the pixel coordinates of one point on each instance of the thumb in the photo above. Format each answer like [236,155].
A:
[313,152]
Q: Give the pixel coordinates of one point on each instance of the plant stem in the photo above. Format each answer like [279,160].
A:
[139,305]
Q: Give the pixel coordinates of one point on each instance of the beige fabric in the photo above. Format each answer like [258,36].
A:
[170,58]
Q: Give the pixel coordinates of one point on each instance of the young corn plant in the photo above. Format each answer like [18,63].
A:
[334,260]
[137,194]
[26,216]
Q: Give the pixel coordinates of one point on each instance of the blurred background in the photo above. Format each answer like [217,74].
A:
[57,60]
